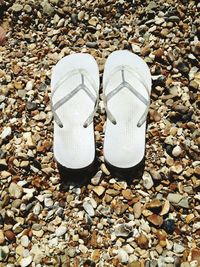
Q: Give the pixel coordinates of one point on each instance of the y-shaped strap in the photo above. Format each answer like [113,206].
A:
[82,86]
[127,85]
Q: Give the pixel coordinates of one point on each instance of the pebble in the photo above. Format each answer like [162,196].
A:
[89,208]
[61,230]
[122,256]
[25,241]
[17,7]
[99,190]
[26,261]
[47,8]
[6,132]
[142,241]
[137,209]
[4,252]
[178,248]
[2,238]
[48,202]
[15,190]
[169,226]
[174,197]
[176,152]
[155,219]
[147,181]
[123,230]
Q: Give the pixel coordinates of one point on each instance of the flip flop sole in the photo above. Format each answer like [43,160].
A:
[124,143]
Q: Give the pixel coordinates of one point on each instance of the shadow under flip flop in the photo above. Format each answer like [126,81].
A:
[127,174]
[77,177]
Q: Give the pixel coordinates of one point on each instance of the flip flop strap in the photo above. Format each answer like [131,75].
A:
[125,84]
[84,74]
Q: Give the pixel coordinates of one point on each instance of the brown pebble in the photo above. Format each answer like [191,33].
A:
[2,36]
[2,238]
[10,235]
[142,241]
[127,194]
[145,51]
[155,219]
[159,52]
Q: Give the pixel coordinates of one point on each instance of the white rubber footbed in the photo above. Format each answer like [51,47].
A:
[124,143]
[74,145]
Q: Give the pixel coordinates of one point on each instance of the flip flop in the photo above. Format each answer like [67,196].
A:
[74,98]
[126,97]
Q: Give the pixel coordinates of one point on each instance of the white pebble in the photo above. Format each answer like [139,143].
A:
[147,181]
[88,208]
[26,261]
[6,132]
[29,86]
[25,241]
[61,230]
[122,256]
[176,151]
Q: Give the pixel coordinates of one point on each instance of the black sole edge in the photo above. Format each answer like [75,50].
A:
[77,177]
[127,174]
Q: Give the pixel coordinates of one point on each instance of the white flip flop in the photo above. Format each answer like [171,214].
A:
[74,97]
[127,87]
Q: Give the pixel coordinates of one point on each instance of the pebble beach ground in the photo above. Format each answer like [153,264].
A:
[153,222]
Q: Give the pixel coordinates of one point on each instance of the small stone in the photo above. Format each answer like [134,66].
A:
[74,19]
[127,194]
[142,241]
[39,233]
[6,132]
[189,218]
[10,235]
[165,208]
[147,181]
[195,255]
[122,256]
[177,168]
[48,202]
[17,7]
[155,175]
[92,44]
[154,204]
[29,86]
[27,8]
[26,261]
[137,209]
[123,230]
[31,106]
[178,248]
[47,8]
[2,37]
[2,238]
[145,51]
[155,219]
[104,169]
[25,241]
[15,190]
[81,15]
[89,208]
[71,252]
[83,249]
[99,190]
[4,252]
[135,48]
[176,151]
[93,21]
[169,226]
[184,203]
[174,197]
[135,264]
[159,52]
[61,231]
[96,179]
